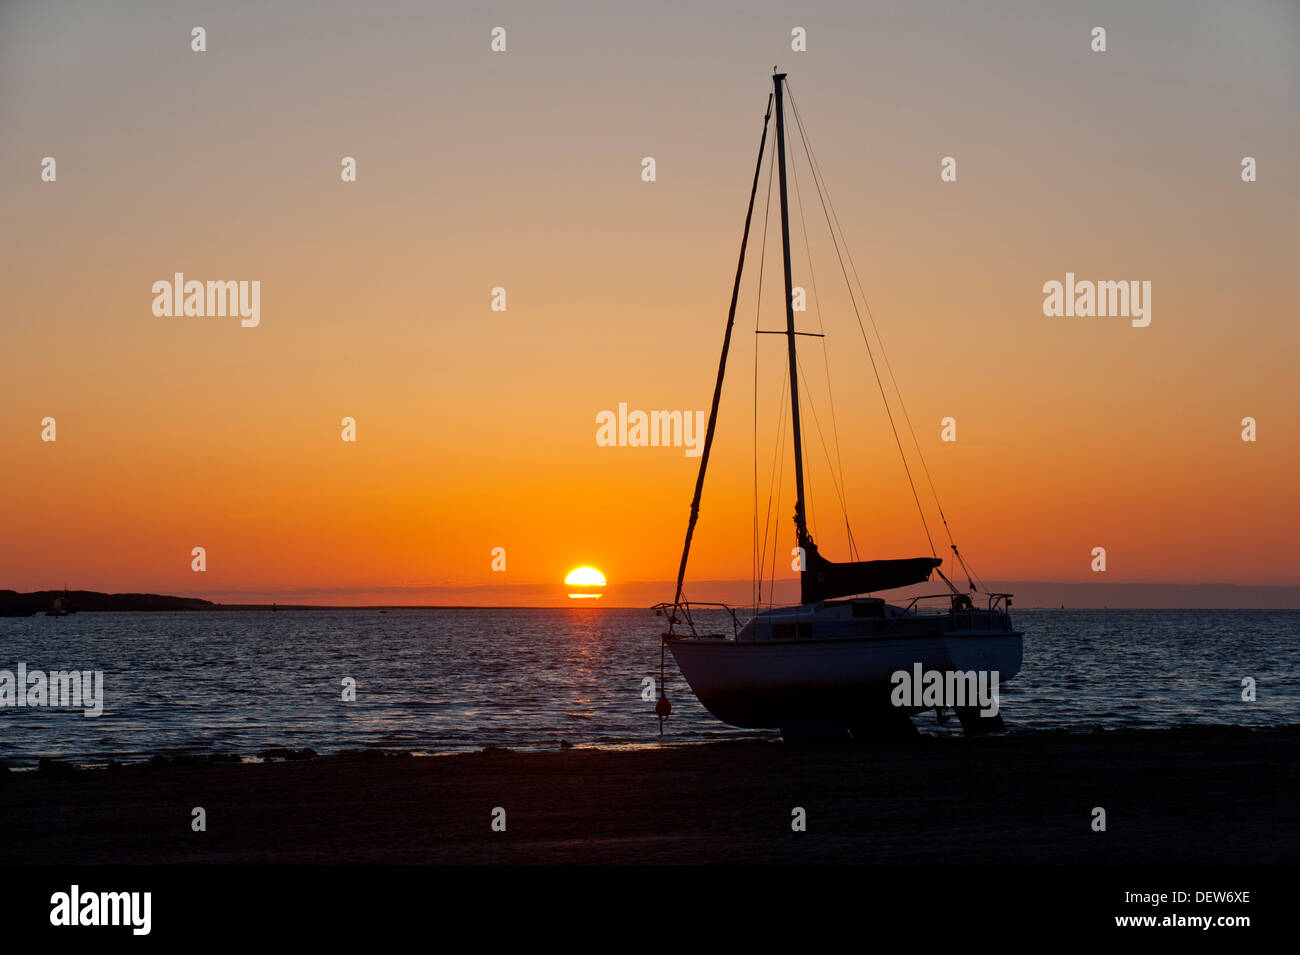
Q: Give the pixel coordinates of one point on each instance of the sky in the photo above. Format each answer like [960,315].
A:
[476,429]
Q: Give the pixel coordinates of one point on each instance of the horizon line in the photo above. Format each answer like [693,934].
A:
[392,588]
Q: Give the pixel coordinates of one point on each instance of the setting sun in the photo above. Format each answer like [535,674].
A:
[588,580]
[585,577]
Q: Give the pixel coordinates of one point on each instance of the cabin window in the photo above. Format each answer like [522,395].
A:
[788,631]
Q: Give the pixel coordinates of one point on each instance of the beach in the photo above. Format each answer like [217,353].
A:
[1194,795]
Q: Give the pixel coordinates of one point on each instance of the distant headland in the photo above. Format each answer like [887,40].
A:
[14,604]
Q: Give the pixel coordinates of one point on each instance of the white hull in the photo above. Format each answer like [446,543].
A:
[842,678]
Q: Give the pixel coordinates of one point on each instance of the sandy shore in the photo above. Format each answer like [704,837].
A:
[1193,796]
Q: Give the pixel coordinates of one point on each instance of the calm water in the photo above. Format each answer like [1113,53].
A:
[438,681]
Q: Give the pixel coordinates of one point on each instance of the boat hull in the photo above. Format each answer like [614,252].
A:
[840,682]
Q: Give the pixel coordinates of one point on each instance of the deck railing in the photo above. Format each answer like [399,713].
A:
[998,606]
[961,605]
[671,610]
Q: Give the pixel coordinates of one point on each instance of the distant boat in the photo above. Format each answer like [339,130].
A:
[57,610]
[824,666]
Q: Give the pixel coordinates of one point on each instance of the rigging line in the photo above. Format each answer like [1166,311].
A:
[812,407]
[755,561]
[830,393]
[888,364]
[890,369]
[776,538]
[809,498]
[971,577]
[722,364]
[777,447]
[777,476]
[870,353]
[777,472]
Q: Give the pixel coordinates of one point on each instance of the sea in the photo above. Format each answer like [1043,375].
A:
[437,681]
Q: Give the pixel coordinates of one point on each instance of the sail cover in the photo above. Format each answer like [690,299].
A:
[823,580]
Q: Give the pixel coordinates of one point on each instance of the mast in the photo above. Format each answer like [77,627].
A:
[801,526]
[726,347]
[820,579]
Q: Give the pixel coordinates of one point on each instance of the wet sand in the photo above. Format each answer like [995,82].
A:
[1178,796]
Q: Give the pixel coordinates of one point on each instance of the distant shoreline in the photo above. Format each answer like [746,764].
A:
[15,604]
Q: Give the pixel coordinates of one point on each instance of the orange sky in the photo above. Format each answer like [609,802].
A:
[522,170]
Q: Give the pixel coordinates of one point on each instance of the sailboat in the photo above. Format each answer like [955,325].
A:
[829,666]
[58,609]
